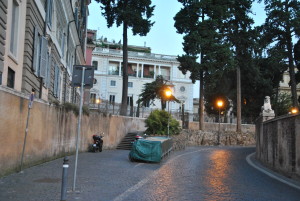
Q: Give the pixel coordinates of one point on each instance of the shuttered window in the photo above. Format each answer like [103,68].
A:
[36,53]
[43,57]
[56,81]
[49,12]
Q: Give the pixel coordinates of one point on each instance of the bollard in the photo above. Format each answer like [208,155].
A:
[64,179]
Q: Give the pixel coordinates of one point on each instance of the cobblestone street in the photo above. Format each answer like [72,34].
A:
[197,173]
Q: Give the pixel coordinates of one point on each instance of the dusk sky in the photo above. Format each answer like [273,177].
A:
[162,38]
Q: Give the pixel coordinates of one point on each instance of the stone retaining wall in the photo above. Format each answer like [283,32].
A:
[209,138]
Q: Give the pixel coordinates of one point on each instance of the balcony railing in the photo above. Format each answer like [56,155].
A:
[136,54]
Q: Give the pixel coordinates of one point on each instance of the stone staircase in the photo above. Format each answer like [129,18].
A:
[130,137]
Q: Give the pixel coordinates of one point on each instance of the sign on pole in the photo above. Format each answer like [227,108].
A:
[88,76]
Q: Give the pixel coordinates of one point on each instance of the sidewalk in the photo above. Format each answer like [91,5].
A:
[257,165]
[96,172]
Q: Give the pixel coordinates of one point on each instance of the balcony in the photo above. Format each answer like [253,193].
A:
[136,54]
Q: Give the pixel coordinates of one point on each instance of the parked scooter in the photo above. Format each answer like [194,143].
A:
[98,143]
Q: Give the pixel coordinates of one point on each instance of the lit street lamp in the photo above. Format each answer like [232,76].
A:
[220,105]
[168,94]
[98,101]
[294,110]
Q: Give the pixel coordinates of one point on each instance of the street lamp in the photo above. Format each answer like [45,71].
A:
[220,105]
[168,94]
[294,110]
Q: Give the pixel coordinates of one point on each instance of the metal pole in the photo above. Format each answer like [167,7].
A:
[78,128]
[219,129]
[168,118]
[64,179]
[26,132]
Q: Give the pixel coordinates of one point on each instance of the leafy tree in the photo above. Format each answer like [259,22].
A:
[236,29]
[156,90]
[157,123]
[134,14]
[199,21]
[281,25]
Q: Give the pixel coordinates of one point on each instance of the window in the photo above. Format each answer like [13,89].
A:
[10,78]
[112,99]
[182,88]
[56,86]
[95,64]
[129,100]
[130,84]
[40,55]
[93,98]
[113,83]
[113,70]
[49,12]
[14,28]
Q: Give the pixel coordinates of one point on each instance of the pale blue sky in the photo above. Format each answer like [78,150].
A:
[162,38]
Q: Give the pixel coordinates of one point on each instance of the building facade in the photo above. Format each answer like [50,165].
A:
[143,67]
[40,41]
[13,33]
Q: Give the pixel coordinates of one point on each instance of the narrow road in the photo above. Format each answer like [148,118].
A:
[197,173]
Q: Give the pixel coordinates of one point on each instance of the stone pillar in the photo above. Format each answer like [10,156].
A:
[142,73]
[120,64]
[266,114]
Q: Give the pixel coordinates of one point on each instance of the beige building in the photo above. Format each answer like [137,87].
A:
[40,41]
[14,46]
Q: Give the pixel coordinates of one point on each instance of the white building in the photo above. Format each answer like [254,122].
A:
[142,68]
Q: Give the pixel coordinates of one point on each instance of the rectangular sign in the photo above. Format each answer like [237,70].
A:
[88,76]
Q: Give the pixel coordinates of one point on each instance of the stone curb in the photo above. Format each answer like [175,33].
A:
[254,163]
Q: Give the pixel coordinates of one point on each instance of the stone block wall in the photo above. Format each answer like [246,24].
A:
[278,144]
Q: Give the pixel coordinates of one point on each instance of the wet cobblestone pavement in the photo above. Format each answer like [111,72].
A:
[197,173]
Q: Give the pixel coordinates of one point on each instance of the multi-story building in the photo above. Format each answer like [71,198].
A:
[12,42]
[284,86]
[42,39]
[143,67]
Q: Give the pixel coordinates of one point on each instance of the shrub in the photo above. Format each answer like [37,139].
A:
[157,123]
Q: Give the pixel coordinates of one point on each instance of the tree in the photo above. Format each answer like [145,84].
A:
[236,29]
[199,20]
[281,25]
[134,14]
[157,123]
[156,90]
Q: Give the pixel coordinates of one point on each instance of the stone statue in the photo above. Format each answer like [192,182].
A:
[267,105]
[267,112]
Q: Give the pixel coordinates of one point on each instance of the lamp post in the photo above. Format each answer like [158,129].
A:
[219,104]
[168,94]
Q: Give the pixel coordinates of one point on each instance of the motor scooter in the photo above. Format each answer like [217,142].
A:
[98,143]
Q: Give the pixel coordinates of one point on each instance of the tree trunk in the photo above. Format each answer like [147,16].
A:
[290,58]
[123,110]
[238,102]
[292,69]
[201,102]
